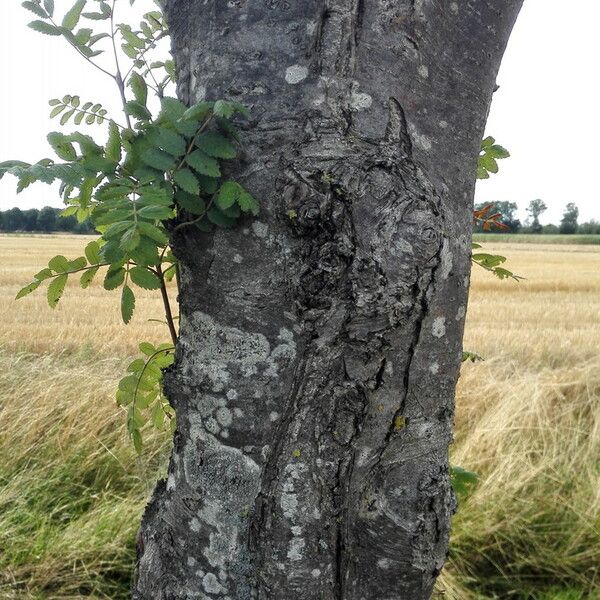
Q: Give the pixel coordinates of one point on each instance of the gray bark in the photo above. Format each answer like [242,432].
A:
[320,343]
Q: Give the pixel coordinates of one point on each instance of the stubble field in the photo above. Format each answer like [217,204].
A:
[528,421]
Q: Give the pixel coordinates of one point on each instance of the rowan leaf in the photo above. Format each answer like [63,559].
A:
[45,28]
[216,145]
[87,277]
[228,194]
[139,87]
[186,181]
[59,264]
[72,17]
[114,278]
[170,142]
[34,285]
[204,164]
[157,159]
[113,145]
[144,278]
[248,203]
[56,289]
[49,6]
[35,8]
[127,304]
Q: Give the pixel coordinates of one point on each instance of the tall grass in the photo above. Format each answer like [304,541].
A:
[71,488]
[528,421]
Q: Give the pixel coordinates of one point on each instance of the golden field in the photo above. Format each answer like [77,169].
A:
[528,421]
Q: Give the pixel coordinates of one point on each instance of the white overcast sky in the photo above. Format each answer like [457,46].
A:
[545,112]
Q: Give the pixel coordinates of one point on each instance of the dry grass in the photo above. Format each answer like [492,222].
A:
[528,421]
[84,319]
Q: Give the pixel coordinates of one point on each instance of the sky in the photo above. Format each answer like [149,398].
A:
[545,111]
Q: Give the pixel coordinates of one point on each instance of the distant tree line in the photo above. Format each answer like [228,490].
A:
[45,220]
[569,223]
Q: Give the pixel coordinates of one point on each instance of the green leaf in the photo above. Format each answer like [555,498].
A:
[66,116]
[157,159]
[49,6]
[138,442]
[218,218]
[72,17]
[88,277]
[155,212]
[34,285]
[131,38]
[193,204]
[248,203]
[130,239]
[59,264]
[114,278]
[45,28]
[463,481]
[56,289]
[204,164]
[169,141]
[497,151]
[113,145]
[139,87]
[198,111]
[43,274]
[62,146]
[147,348]
[216,145]
[489,163]
[171,110]
[228,194]
[186,181]
[127,304]
[35,8]
[158,416]
[137,110]
[153,232]
[144,278]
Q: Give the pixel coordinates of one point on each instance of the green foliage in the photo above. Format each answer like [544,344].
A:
[140,391]
[488,157]
[463,482]
[151,179]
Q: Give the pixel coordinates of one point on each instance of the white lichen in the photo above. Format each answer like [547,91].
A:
[260,229]
[360,101]
[295,74]
[439,327]
[423,71]
[211,584]
[295,549]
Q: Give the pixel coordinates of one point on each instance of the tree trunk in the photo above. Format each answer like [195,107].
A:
[321,342]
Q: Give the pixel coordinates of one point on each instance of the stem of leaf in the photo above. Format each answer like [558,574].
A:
[118,77]
[167,304]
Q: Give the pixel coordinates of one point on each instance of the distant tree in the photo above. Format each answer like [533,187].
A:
[549,229]
[30,218]
[46,220]
[568,223]
[590,228]
[13,220]
[507,210]
[534,210]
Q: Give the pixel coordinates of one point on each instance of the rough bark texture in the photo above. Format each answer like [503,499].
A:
[320,343]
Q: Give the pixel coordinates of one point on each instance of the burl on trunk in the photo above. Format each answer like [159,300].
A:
[320,343]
